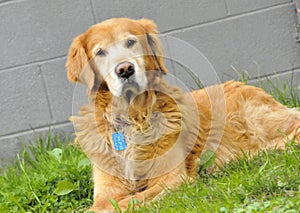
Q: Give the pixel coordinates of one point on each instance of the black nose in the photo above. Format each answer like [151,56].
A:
[124,69]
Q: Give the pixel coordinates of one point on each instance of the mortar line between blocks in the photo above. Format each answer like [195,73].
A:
[32,63]
[287,71]
[35,130]
[93,12]
[225,18]
[4,3]
[46,93]
[227,7]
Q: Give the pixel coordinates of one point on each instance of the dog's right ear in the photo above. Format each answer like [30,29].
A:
[156,48]
[78,67]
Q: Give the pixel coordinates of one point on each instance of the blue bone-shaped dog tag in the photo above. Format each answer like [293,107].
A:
[119,141]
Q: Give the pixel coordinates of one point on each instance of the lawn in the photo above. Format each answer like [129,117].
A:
[54,176]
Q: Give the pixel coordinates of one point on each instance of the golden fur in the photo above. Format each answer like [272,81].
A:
[165,135]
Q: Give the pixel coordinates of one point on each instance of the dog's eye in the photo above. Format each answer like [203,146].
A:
[130,43]
[101,52]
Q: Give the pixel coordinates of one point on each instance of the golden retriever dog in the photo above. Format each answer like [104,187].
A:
[143,135]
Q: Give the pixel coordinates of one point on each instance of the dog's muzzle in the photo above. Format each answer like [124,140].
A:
[125,70]
[130,90]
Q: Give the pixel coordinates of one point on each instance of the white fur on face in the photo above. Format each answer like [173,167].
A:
[118,53]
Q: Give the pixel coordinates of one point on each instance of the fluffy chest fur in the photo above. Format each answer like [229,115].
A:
[155,130]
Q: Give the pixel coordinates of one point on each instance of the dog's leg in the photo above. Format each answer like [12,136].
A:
[106,187]
[156,187]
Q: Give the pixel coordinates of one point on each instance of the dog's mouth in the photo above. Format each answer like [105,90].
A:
[130,90]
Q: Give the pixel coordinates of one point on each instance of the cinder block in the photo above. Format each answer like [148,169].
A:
[12,145]
[40,29]
[23,103]
[59,89]
[261,41]
[240,6]
[167,14]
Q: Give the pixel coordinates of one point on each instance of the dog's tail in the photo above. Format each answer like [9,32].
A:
[293,121]
[267,122]
[287,128]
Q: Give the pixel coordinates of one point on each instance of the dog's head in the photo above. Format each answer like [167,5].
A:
[120,55]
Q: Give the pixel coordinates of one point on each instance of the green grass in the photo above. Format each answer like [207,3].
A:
[58,179]
[54,176]
[50,177]
[268,183]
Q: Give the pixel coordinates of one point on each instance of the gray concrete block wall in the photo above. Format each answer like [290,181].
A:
[249,41]
[253,35]
[168,15]
[23,101]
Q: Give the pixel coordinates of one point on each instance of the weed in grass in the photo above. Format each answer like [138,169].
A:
[283,91]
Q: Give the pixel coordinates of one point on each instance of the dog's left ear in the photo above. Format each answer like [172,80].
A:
[156,49]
